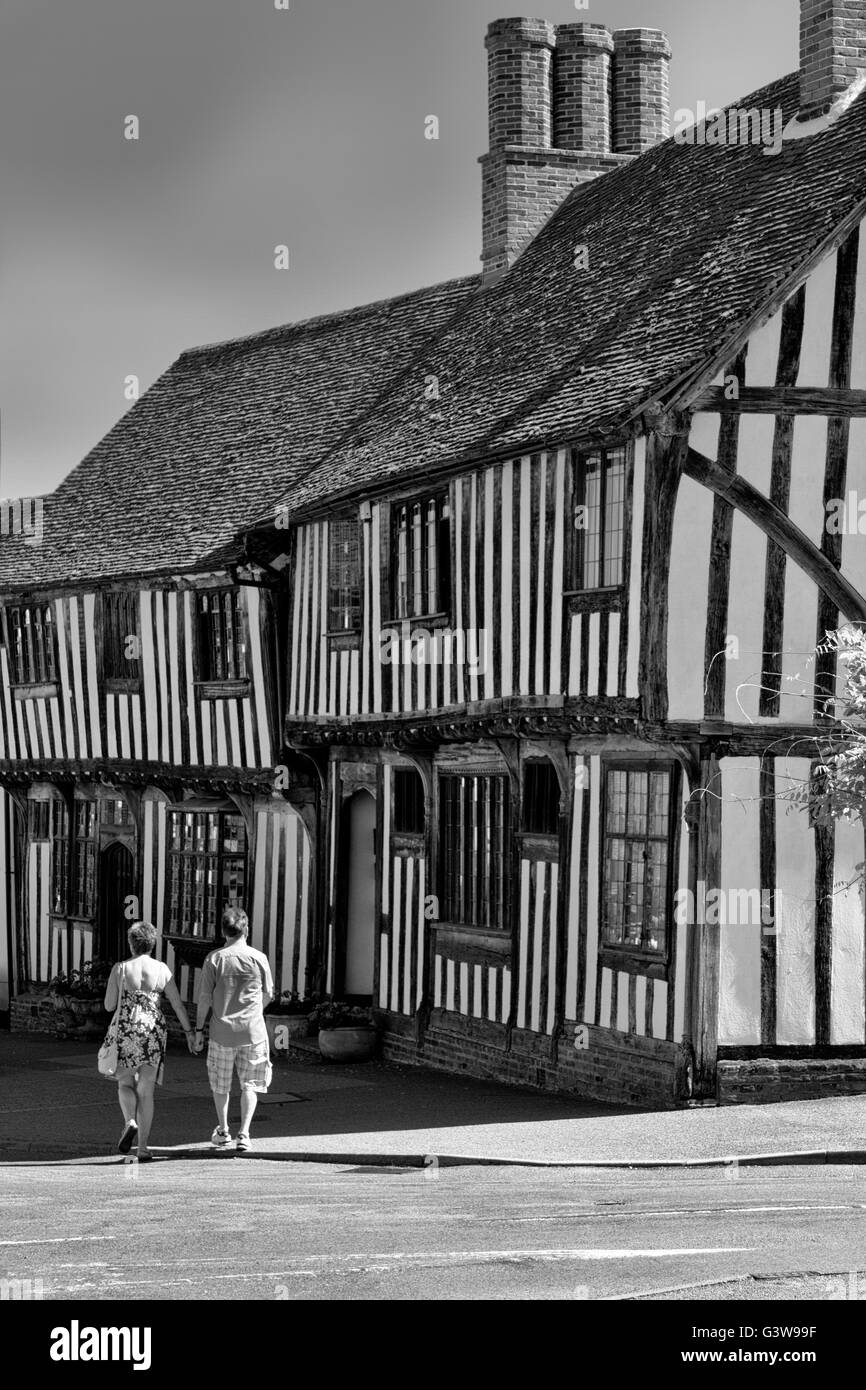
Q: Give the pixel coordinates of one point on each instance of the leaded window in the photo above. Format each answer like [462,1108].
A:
[222,636]
[474,850]
[637,840]
[207,869]
[30,635]
[421,535]
[599,519]
[344,575]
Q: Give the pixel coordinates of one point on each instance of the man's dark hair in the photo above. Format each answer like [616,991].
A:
[235,922]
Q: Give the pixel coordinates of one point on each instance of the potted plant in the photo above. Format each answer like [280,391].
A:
[285,1018]
[87,990]
[346,1031]
[60,994]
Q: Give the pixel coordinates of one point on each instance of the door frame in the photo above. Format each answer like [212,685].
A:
[350,791]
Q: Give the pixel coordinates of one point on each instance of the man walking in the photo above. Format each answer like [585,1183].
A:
[236,984]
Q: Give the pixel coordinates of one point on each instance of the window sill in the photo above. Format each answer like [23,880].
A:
[493,941]
[426,621]
[343,641]
[222,690]
[122,685]
[594,600]
[537,845]
[633,962]
[36,690]
[409,844]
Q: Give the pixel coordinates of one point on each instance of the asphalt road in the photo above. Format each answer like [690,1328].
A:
[250,1228]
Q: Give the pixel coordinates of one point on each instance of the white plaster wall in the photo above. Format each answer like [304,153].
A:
[689,577]
[847,979]
[740,946]
[795,910]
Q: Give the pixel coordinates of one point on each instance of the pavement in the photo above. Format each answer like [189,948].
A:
[54,1107]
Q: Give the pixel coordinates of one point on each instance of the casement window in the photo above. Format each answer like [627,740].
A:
[121,638]
[61,858]
[30,636]
[39,818]
[207,870]
[222,636]
[473,848]
[73,858]
[599,519]
[344,575]
[116,812]
[83,894]
[638,835]
[421,541]
[540,806]
[409,816]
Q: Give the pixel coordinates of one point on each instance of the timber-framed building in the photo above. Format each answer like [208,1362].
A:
[475,631]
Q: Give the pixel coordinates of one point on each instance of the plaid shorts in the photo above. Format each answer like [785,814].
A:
[253,1062]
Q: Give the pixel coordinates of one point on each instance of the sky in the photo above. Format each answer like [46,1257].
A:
[258,127]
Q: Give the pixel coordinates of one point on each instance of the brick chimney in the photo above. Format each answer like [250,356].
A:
[567,103]
[832,50]
[642,103]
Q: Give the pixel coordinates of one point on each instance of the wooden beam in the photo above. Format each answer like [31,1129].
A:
[719,580]
[779,527]
[704,960]
[840,402]
[666,452]
[767,857]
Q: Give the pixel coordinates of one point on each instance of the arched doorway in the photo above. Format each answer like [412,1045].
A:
[358,897]
[116,884]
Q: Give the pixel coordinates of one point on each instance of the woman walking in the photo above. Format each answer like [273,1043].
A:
[140,983]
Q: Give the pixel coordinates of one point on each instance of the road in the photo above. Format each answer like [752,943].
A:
[252,1228]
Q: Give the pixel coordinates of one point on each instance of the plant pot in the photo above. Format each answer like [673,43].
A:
[347,1044]
[283,1027]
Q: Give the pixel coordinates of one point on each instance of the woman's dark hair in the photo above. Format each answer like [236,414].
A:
[142,937]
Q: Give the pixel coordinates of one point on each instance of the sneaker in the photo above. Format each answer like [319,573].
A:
[127,1138]
[243,1144]
[220,1138]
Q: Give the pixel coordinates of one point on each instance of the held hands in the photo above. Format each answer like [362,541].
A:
[195,1043]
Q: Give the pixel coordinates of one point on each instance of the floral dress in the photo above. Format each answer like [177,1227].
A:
[141,1030]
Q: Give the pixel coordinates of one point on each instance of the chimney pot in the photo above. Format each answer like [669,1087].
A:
[641,90]
[582,88]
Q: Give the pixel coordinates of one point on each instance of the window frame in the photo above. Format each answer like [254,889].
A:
[210,685]
[444,532]
[351,636]
[624,956]
[575,588]
[110,625]
[500,930]
[401,833]
[532,832]
[172,931]
[21,676]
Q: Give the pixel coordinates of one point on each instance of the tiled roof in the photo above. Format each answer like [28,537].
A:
[685,245]
[219,438]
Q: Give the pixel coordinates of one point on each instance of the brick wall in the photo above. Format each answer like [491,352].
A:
[614,1067]
[762,1080]
[641,90]
[832,48]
